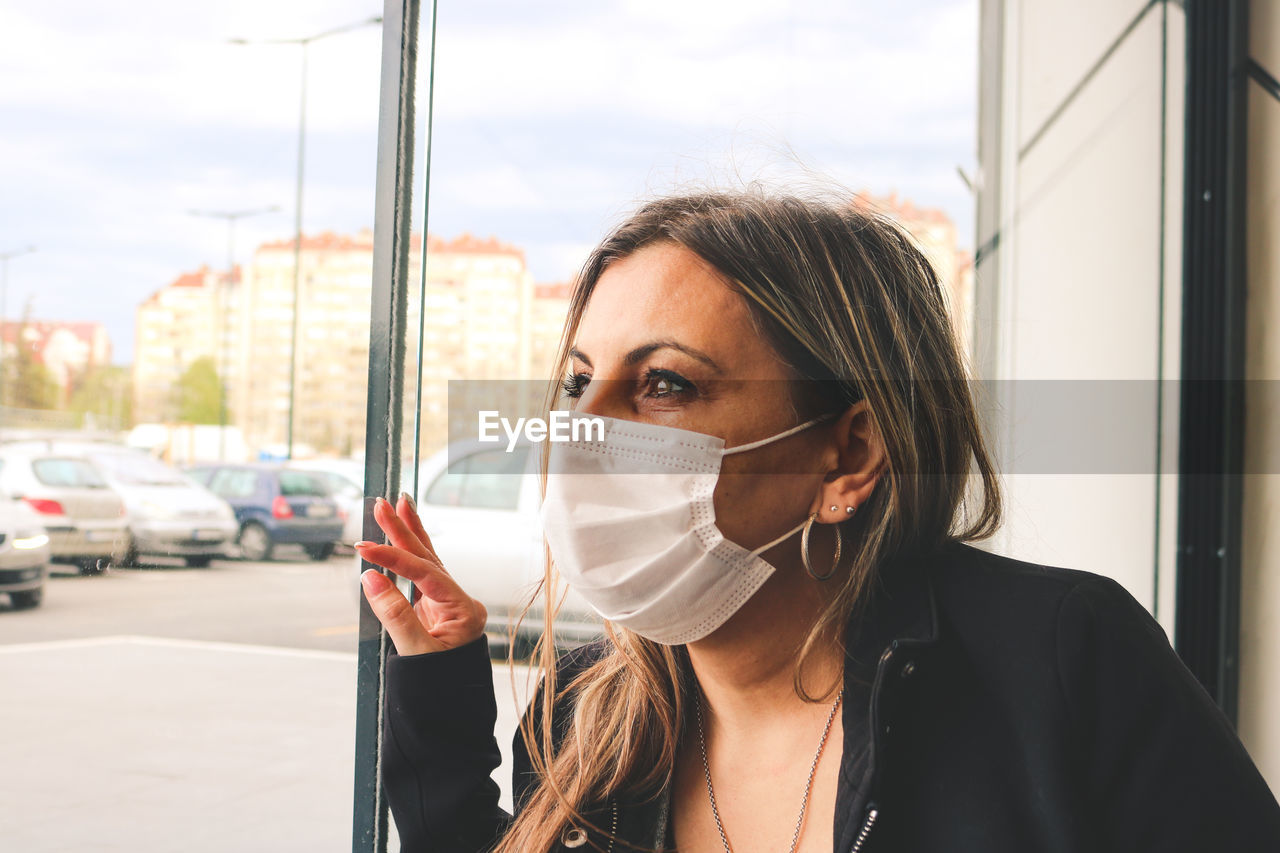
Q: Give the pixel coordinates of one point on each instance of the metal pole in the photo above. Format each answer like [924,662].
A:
[297,245]
[297,249]
[1212,389]
[224,302]
[392,224]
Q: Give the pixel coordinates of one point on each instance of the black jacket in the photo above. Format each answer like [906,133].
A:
[1002,706]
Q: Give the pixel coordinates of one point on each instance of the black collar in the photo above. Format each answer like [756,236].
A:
[900,609]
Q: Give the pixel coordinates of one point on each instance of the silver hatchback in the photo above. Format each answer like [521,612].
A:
[170,515]
[84,518]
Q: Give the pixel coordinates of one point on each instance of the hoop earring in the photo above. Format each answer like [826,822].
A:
[804,551]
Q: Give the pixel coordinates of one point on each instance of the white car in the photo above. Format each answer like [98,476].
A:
[481,513]
[344,477]
[84,518]
[170,515]
[24,554]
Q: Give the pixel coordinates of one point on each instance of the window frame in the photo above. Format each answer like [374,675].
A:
[392,236]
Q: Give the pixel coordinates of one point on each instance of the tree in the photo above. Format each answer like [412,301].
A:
[199,394]
[102,394]
[28,384]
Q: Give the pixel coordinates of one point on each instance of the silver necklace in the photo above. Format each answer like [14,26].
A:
[804,802]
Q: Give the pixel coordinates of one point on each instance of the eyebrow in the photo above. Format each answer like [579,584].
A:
[643,351]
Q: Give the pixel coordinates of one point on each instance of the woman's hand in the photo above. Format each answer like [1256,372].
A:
[444,616]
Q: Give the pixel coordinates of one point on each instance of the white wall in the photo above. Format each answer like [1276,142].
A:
[1074,292]
[1084,308]
[1259,717]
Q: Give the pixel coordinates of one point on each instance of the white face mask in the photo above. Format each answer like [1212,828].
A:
[631,526]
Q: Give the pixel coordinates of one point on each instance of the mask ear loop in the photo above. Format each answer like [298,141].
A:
[804,542]
[751,445]
[804,550]
[784,537]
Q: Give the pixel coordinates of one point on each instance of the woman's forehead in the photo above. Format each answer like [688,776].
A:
[666,293]
[662,291]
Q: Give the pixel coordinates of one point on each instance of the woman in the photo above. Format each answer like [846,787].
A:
[802,652]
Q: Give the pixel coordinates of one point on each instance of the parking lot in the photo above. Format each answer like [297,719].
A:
[165,708]
[290,602]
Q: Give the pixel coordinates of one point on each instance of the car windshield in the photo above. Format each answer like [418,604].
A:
[53,471]
[299,484]
[340,485]
[135,469]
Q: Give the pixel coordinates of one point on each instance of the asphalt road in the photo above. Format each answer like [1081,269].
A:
[293,602]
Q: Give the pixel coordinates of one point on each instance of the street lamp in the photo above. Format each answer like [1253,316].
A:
[4,295]
[231,217]
[297,220]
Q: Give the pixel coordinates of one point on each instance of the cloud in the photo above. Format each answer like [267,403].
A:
[550,119]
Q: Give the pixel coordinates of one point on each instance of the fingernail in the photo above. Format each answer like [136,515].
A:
[373,581]
[407,498]
[363,544]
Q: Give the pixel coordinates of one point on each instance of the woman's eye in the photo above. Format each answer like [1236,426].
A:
[574,383]
[664,383]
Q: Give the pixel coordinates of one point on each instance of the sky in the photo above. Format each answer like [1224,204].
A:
[551,120]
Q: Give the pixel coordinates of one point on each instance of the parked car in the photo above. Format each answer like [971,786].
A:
[83,517]
[339,473]
[24,554]
[275,505]
[169,514]
[481,513]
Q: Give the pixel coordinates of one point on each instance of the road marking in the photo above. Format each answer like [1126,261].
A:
[335,630]
[173,642]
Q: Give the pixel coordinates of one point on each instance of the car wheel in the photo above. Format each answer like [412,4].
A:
[129,558]
[320,552]
[255,543]
[27,599]
[198,562]
[92,565]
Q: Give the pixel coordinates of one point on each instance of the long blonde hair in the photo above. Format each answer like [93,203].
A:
[857,311]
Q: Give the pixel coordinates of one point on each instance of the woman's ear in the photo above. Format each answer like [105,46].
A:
[858,461]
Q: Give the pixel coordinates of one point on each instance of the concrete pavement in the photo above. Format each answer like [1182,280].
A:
[143,743]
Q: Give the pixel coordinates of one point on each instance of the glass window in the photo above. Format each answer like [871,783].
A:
[67,472]
[446,489]
[486,480]
[341,486]
[303,484]
[234,483]
[137,470]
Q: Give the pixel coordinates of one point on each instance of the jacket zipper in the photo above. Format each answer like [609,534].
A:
[873,811]
[872,814]
[613,830]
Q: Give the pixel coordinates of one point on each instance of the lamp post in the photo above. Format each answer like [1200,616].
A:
[231,217]
[304,43]
[4,295]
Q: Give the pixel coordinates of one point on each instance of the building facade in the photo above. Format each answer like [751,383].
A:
[1126,278]
[194,316]
[68,351]
[482,320]
[935,234]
